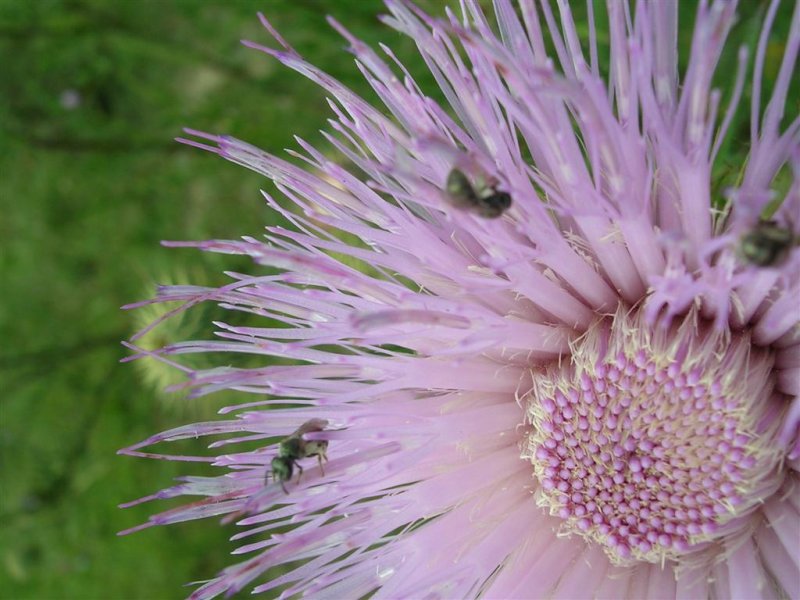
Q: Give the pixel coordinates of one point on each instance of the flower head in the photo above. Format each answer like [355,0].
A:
[540,356]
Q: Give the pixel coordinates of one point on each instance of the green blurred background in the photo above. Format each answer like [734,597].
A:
[91,94]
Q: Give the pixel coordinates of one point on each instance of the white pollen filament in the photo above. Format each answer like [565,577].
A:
[655,443]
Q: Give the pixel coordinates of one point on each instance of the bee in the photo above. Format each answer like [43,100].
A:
[294,447]
[767,244]
[486,201]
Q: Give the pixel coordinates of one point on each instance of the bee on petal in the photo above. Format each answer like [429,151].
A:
[295,447]
[767,244]
[487,201]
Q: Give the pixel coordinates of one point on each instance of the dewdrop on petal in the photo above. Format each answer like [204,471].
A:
[594,393]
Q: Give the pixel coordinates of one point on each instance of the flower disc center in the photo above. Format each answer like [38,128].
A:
[654,443]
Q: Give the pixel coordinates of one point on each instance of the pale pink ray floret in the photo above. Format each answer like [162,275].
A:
[593,395]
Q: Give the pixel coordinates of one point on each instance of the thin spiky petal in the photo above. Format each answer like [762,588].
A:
[595,390]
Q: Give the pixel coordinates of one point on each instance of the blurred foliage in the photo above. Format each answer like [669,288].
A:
[91,93]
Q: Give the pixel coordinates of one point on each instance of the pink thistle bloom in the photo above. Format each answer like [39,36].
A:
[593,394]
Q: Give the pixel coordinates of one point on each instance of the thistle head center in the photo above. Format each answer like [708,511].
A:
[655,444]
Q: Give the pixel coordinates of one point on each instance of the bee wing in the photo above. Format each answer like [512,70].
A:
[309,426]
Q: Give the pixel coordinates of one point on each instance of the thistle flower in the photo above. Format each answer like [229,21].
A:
[593,394]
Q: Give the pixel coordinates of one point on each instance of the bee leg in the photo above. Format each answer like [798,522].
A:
[283,485]
[320,456]
[300,473]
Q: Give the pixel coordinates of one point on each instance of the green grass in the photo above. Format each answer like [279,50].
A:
[86,194]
